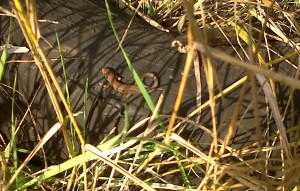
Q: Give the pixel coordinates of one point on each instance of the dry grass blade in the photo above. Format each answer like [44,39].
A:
[188,65]
[186,71]
[146,132]
[256,69]
[219,55]
[232,125]
[47,136]
[28,24]
[107,160]
[145,17]
[44,67]
[275,29]
[6,12]
[190,147]
[274,107]
[242,142]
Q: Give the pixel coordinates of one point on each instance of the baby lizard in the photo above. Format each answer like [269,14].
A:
[115,80]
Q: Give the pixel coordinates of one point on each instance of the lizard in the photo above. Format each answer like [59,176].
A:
[115,81]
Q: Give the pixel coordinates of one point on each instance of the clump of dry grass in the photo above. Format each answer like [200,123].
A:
[169,160]
[259,25]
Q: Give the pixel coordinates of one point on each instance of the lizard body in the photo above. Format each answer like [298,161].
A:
[115,81]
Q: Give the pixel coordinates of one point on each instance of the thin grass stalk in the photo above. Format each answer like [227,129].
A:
[130,66]
[4,168]
[4,54]
[258,126]
[210,74]
[66,134]
[136,77]
[13,130]
[125,129]
[197,70]
[219,95]
[282,58]
[73,162]
[275,109]
[26,30]
[186,71]
[130,22]
[231,126]
[188,65]
[34,46]
[47,136]
[258,70]
[85,102]
[186,181]
[157,148]
[44,66]
[219,55]
[23,119]
[121,170]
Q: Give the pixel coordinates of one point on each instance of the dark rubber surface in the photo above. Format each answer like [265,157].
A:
[86,35]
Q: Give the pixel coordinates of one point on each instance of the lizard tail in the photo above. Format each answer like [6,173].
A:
[153,84]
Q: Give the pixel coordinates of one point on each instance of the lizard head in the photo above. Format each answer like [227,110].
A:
[109,72]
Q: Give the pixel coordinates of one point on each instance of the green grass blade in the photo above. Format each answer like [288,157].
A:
[80,159]
[85,107]
[3,61]
[13,129]
[136,77]
[5,52]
